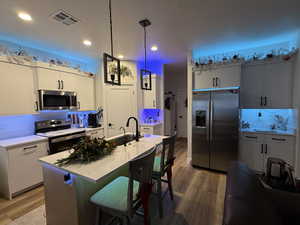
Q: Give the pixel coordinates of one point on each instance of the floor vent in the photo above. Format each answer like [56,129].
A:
[64,17]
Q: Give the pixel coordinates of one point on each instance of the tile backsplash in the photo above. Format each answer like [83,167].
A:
[151,116]
[281,120]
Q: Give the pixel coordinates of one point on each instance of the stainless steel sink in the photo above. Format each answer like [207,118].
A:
[123,139]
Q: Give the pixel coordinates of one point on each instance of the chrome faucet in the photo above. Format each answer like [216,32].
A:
[124,132]
[137,133]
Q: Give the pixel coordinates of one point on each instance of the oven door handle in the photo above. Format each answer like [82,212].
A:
[66,138]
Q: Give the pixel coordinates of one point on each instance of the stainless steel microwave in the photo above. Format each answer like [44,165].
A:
[57,100]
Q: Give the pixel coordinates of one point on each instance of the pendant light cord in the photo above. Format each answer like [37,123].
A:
[111,31]
[145,48]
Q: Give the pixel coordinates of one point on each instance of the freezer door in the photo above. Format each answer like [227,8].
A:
[200,134]
[224,129]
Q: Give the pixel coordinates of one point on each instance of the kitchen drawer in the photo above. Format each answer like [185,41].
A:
[280,138]
[98,133]
[24,168]
[252,137]
[280,146]
[147,130]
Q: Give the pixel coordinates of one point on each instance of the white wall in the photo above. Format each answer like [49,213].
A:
[190,98]
[296,104]
[175,80]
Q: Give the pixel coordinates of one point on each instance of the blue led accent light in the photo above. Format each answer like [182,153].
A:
[156,67]
[216,89]
[245,46]
[46,50]
[150,114]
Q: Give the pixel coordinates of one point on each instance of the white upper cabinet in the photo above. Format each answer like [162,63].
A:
[267,85]
[152,97]
[228,76]
[50,79]
[17,91]
[85,93]
[220,77]
[204,79]
[70,82]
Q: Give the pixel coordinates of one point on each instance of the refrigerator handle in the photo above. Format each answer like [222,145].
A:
[211,116]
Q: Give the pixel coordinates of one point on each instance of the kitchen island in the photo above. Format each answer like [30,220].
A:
[69,188]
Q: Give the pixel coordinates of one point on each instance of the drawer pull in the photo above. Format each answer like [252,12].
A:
[278,139]
[252,137]
[94,133]
[146,128]
[30,147]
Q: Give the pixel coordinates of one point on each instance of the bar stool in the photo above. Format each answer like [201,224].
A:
[123,196]
[163,164]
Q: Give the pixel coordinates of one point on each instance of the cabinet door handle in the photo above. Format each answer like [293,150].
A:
[266,101]
[262,148]
[62,84]
[261,100]
[252,137]
[217,79]
[30,147]
[214,82]
[36,106]
[78,105]
[58,84]
[278,139]
[266,149]
[153,103]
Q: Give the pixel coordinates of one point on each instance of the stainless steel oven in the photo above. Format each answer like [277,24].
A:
[64,142]
[57,100]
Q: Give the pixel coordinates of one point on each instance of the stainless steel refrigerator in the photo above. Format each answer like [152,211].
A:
[215,128]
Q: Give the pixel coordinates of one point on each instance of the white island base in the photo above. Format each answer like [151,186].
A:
[67,200]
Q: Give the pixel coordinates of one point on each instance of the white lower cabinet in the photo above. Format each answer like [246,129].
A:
[151,129]
[20,167]
[95,133]
[255,149]
[250,151]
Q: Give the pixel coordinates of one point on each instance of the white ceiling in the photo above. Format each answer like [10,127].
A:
[177,25]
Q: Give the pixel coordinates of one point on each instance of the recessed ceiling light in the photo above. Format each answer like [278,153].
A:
[25,16]
[121,56]
[154,48]
[87,42]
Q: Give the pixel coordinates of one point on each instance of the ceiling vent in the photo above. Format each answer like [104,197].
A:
[64,17]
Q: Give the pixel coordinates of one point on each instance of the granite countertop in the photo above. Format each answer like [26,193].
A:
[13,142]
[275,132]
[99,169]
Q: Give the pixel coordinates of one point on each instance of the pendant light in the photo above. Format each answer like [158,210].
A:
[112,67]
[145,75]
